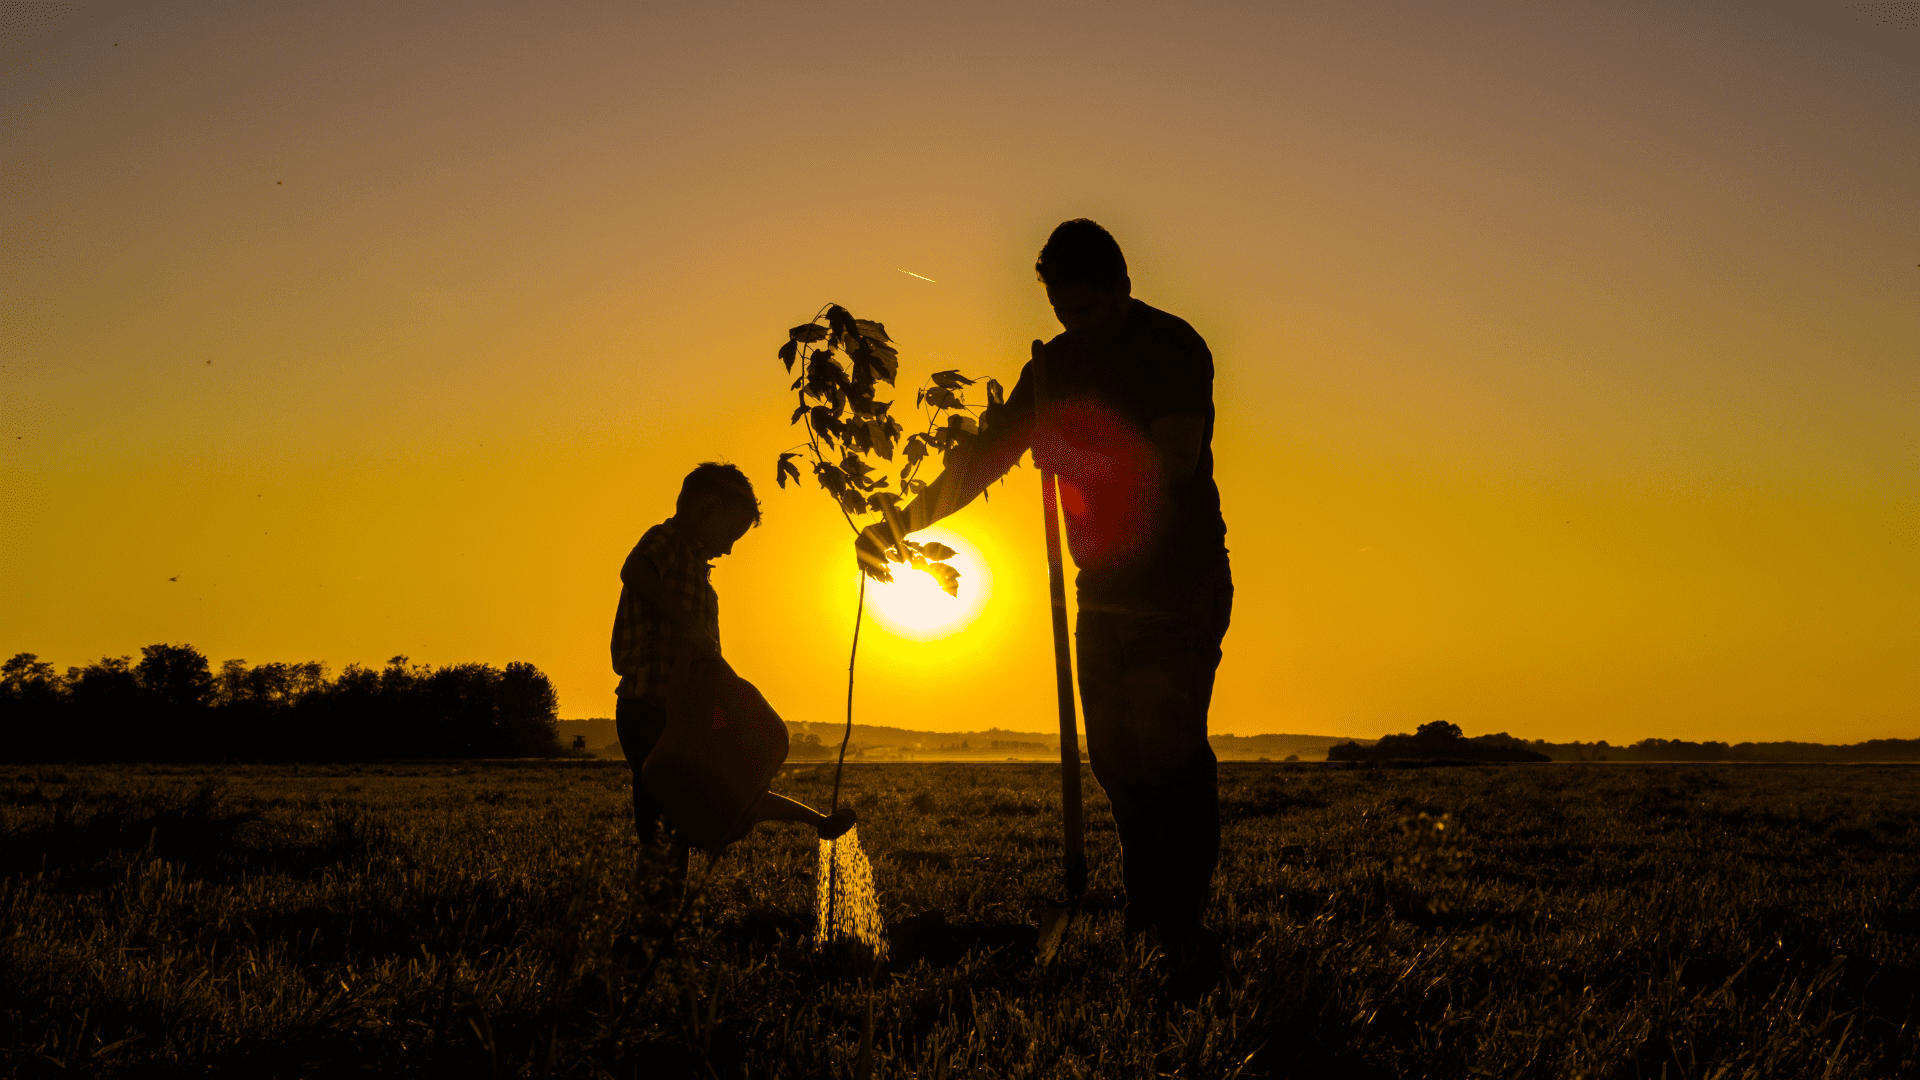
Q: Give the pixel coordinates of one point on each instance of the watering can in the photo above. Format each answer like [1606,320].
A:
[719,752]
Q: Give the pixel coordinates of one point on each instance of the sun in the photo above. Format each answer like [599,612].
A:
[912,605]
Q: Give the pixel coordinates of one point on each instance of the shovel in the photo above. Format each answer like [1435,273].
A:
[1055,917]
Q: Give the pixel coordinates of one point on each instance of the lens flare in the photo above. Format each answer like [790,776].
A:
[912,606]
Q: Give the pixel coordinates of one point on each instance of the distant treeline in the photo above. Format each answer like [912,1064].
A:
[172,706]
[1441,739]
[1682,750]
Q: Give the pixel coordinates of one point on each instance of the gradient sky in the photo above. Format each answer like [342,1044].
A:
[1568,354]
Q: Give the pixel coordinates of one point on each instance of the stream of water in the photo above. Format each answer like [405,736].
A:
[844,901]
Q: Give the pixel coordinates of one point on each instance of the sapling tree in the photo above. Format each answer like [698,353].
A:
[855,442]
[863,457]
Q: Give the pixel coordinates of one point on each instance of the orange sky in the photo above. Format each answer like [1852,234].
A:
[1567,353]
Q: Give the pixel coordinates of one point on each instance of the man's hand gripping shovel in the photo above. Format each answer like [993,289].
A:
[1054,917]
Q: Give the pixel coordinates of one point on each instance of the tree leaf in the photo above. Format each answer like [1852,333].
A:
[808,332]
[860,396]
[885,359]
[872,331]
[947,576]
[873,362]
[824,423]
[842,325]
[962,422]
[825,376]
[787,468]
[951,380]
[856,436]
[856,470]
[788,353]
[916,448]
[830,478]
[798,412]
[937,550]
[942,398]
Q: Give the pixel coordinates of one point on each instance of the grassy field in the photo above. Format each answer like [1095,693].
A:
[1559,920]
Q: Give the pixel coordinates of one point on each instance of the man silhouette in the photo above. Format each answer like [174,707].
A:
[1127,424]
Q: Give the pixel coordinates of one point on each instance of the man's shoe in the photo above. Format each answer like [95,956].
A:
[1196,962]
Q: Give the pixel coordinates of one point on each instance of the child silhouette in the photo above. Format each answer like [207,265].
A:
[700,740]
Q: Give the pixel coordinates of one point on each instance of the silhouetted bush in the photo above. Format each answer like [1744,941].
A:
[1438,739]
[1439,744]
[172,706]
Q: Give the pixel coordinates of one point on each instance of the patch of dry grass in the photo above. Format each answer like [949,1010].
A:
[1565,920]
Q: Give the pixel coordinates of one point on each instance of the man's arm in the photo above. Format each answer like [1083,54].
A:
[1178,439]
[969,472]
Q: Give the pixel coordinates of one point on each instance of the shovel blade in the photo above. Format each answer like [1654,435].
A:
[1053,930]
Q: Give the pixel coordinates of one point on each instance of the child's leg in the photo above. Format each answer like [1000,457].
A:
[677,863]
[772,807]
[639,725]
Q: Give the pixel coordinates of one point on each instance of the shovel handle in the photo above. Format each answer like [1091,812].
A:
[1073,847]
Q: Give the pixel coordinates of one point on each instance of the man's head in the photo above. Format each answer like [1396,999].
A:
[716,507]
[1085,276]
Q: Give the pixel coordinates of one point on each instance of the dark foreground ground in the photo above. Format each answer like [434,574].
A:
[1567,920]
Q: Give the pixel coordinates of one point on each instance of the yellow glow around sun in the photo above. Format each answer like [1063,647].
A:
[912,605]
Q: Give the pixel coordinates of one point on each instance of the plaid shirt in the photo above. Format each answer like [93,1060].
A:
[645,642]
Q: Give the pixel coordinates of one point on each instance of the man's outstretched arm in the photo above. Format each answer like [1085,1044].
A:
[968,472]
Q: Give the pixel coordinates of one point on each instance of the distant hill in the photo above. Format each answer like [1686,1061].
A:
[1276,747]
[875,742]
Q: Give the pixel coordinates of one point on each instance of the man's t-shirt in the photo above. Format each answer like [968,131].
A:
[1135,536]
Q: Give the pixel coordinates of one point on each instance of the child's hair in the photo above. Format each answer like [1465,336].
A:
[712,479]
[1080,252]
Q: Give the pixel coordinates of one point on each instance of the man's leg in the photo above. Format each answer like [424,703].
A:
[1146,681]
[1119,767]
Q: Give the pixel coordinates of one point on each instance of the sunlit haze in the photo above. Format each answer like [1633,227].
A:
[1566,353]
[914,607]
